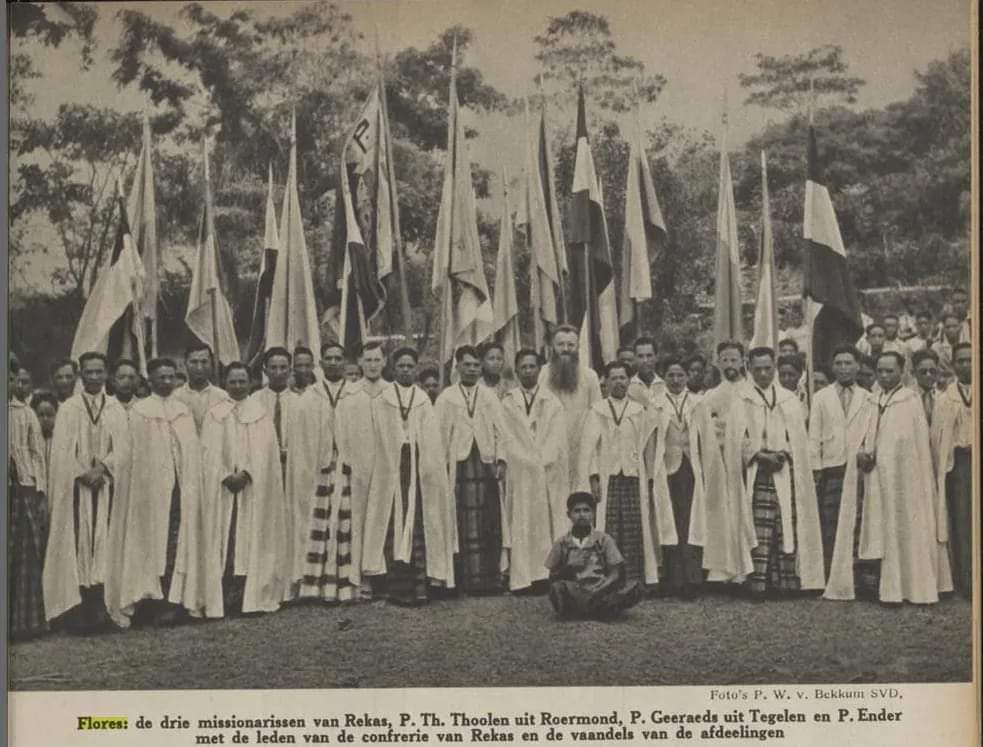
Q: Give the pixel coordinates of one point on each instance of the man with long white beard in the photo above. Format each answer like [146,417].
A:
[198,393]
[90,451]
[242,488]
[576,386]
[538,478]
[730,358]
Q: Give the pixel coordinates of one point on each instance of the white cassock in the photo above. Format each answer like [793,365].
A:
[239,436]
[89,430]
[200,401]
[537,480]
[165,453]
[645,394]
[576,405]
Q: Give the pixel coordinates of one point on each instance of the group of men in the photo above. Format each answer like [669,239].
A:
[204,501]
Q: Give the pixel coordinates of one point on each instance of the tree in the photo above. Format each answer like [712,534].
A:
[794,82]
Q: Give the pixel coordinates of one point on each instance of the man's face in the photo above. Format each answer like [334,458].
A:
[237,384]
[431,385]
[352,372]
[645,359]
[819,381]
[629,358]
[492,363]
[46,416]
[696,371]
[763,371]
[469,368]
[125,382]
[952,329]
[303,369]
[676,378]
[962,363]
[876,337]
[63,381]
[199,366]
[333,364]
[788,377]
[565,343]
[888,372]
[581,515]
[927,373]
[617,383]
[730,364]
[845,369]
[528,371]
[866,376]
[787,348]
[405,370]
[23,385]
[372,362]
[93,375]
[923,326]
[277,370]
[891,328]
[960,303]
[162,380]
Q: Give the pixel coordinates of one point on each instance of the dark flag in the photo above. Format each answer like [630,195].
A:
[264,281]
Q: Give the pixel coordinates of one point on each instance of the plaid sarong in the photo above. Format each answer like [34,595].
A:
[829,492]
[683,562]
[774,570]
[24,563]
[406,583]
[623,522]
[328,570]
[959,504]
[479,526]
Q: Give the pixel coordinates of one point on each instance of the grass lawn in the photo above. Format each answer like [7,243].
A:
[515,641]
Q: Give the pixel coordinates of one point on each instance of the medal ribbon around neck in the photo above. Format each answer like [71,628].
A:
[471,403]
[618,418]
[404,412]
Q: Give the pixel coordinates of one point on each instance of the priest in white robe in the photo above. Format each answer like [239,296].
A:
[89,457]
[198,392]
[538,478]
[719,399]
[646,385]
[242,486]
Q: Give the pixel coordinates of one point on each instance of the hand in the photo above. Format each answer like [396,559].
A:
[595,487]
[500,472]
[866,462]
[94,477]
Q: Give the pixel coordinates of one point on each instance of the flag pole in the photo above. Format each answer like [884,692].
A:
[561,314]
[445,301]
[207,225]
[807,300]
[534,294]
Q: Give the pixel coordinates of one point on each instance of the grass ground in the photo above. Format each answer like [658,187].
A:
[515,641]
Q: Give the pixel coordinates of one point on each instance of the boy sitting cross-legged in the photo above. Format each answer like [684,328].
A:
[587,569]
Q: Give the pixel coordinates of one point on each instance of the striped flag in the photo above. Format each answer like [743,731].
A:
[292,319]
[766,308]
[645,231]
[458,272]
[264,281]
[592,300]
[142,211]
[209,316]
[727,324]
[539,224]
[827,285]
[112,319]
[506,306]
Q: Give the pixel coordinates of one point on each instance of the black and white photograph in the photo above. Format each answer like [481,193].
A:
[460,344]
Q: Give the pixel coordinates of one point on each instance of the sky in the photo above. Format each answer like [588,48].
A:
[700,46]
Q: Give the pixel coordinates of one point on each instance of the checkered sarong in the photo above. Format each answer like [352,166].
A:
[774,570]
[24,562]
[406,583]
[479,526]
[328,567]
[959,504]
[829,492]
[623,522]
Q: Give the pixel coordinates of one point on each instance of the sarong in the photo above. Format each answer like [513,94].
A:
[570,599]
[829,491]
[406,583]
[328,570]
[866,573]
[233,585]
[774,570]
[25,560]
[959,504]
[479,526]
[683,562]
[623,521]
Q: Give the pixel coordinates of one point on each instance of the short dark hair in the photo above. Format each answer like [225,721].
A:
[730,345]
[874,325]
[93,355]
[760,351]
[845,349]
[923,314]
[696,358]
[370,345]
[43,396]
[950,315]
[923,355]
[276,350]
[61,363]
[464,350]
[405,350]
[614,365]
[428,372]
[523,353]
[674,360]
[125,362]
[197,347]
[333,344]
[891,354]
[789,360]
[646,340]
[579,498]
[867,360]
[895,317]
[302,350]
[486,347]
[154,363]
[237,366]
[625,349]
[788,341]
[960,346]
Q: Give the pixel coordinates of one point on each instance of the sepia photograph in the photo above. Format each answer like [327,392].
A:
[460,344]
